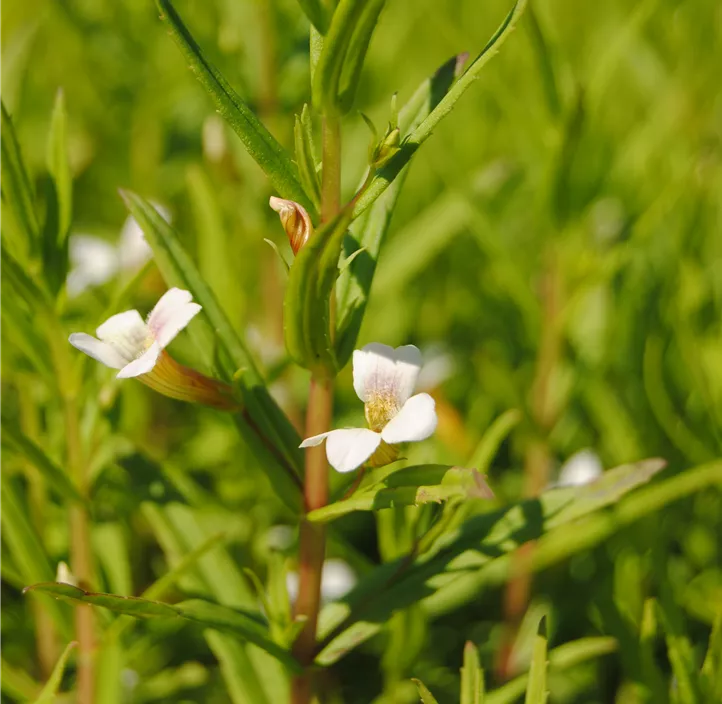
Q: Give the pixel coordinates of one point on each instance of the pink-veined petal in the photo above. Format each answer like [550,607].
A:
[143,364]
[126,333]
[415,421]
[385,372]
[98,350]
[171,314]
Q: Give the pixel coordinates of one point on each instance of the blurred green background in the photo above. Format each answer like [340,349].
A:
[557,249]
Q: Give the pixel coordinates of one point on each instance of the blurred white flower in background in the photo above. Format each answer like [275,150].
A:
[95,261]
[337,579]
[581,468]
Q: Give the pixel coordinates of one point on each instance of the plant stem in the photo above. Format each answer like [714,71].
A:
[81,559]
[312,539]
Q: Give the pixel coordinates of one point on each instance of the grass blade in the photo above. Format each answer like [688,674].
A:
[472,676]
[50,690]
[536,691]
[260,143]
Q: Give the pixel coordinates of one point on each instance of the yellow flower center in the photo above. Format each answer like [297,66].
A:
[379,411]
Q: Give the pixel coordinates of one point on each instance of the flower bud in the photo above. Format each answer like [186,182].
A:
[295,221]
[386,149]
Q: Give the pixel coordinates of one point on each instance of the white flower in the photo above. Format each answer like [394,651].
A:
[581,468]
[64,575]
[337,579]
[127,343]
[384,379]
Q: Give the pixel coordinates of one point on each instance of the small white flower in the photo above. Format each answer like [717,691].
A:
[64,575]
[127,343]
[581,468]
[384,379]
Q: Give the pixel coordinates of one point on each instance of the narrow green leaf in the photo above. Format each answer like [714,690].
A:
[480,541]
[472,676]
[318,13]
[412,486]
[17,192]
[336,43]
[50,690]
[356,54]
[58,164]
[712,666]
[56,477]
[561,659]
[249,626]
[536,691]
[426,696]
[306,305]
[306,156]
[260,143]
[423,130]
[496,434]
[179,269]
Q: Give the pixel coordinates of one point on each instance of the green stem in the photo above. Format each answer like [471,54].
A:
[312,548]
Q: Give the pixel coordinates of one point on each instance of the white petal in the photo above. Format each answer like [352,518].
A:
[580,469]
[347,448]
[415,421]
[380,370]
[133,250]
[126,333]
[143,364]
[337,579]
[171,314]
[94,261]
[101,351]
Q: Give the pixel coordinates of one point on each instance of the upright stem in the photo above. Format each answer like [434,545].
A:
[312,537]
[81,559]
[537,458]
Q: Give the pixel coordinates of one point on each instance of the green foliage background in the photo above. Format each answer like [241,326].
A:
[558,242]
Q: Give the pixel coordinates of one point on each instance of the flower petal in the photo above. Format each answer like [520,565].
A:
[143,364]
[415,421]
[171,314]
[101,351]
[126,333]
[347,448]
[382,371]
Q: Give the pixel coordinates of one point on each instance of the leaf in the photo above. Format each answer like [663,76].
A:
[306,156]
[426,696]
[561,659]
[17,193]
[58,164]
[496,434]
[243,624]
[712,666]
[318,13]
[423,130]
[536,691]
[356,54]
[50,690]
[17,683]
[327,74]
[479,542]
[260,143]
[411,486]
[306,305]
[56,477]
[270,421]
[472,677]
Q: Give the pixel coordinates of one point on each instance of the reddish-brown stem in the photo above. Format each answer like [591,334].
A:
[312,538]
[537,458]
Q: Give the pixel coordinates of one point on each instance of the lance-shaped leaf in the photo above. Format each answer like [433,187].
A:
[421,132]
[50,690]
[327,74]
[425,693]
[306,155]
[59,168]
[244,624]
[17,194]
[536,691]
[475,544]
[306,306]
[472,677]
[356,54]
[225,352]
[260,143]
[412,486]
[22,445]
[318,12]
[369,231]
